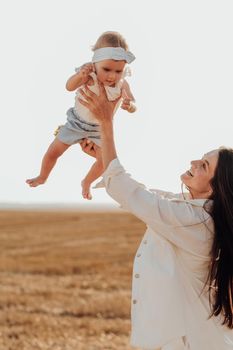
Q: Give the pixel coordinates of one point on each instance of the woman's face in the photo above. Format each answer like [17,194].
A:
[109,72]
[197,179]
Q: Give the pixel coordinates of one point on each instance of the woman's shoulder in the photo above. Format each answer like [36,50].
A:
[166,194]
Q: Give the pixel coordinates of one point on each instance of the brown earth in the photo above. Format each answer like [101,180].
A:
[65,279]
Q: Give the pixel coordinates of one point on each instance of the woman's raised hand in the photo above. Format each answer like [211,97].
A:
[89,147]
[100,106]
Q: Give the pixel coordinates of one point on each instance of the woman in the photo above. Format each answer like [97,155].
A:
[183,270]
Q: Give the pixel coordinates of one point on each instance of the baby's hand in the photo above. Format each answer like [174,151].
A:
[128,105]
[85,70]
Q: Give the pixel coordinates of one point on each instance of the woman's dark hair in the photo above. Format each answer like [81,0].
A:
[220,279]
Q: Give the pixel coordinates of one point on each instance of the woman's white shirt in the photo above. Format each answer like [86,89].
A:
[170,267]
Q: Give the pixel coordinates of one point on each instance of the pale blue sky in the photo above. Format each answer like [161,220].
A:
[182,80]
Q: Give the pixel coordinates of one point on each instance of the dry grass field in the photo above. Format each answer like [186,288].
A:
[65,279]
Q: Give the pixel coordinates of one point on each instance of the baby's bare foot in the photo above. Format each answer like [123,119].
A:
[86,193]
[36,181]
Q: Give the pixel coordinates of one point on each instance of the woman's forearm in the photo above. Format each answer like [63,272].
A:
[103,109]
[107,143]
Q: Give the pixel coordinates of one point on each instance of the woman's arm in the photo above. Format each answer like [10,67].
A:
[161,214]
[103,110]
[182,223]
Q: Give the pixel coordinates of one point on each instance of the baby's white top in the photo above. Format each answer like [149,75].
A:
[112,93]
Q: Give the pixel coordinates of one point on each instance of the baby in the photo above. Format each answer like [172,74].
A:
[109,67]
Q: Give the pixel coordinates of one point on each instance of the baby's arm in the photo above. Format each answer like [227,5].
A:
[128,98]
[80,78]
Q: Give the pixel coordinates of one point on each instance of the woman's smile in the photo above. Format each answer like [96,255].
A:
[197,179]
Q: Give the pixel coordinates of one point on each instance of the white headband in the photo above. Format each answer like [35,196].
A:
[112,53]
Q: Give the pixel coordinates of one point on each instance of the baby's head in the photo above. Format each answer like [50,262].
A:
[110,39]
[110,57]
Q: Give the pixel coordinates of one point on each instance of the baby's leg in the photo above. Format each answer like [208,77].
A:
[93,174]
[55,150]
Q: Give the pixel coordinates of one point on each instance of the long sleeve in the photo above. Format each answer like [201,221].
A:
[174,218]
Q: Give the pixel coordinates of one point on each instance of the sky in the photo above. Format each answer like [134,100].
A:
[182,80]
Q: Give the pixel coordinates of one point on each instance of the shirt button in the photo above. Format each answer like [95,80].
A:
[145,242]
[134,301]
[137,275]
[138,255]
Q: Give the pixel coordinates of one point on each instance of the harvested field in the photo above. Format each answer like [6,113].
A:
[65,279]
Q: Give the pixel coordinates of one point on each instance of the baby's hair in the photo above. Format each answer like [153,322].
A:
[110,39]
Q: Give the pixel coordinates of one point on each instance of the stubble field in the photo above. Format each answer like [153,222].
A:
[65,279]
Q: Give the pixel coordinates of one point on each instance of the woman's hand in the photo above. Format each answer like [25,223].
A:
[103,110]
[100,106]
[89,147]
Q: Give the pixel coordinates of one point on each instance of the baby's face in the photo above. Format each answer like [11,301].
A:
[109,72]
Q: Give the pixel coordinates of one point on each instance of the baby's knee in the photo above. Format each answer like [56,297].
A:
[53,154]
